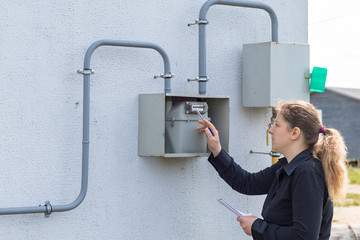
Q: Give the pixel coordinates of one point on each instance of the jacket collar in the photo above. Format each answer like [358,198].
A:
[290,167]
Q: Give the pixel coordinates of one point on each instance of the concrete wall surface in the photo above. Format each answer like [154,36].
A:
[43,43]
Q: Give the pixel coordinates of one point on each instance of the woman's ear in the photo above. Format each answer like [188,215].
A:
[295,133]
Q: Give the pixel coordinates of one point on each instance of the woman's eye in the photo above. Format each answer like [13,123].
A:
[276,124]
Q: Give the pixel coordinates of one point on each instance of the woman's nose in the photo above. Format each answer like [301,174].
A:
[271,129]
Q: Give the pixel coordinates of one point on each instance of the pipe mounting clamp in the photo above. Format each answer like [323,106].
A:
[48,209]
[167,75]
[199,79]
[199,22]
[85,71]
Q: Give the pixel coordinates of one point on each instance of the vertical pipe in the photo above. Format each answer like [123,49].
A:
[202,30]
[202,58]
[85,150]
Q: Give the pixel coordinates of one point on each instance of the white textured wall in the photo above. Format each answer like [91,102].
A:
[42,44]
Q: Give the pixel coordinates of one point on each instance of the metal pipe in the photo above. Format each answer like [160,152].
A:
[47,209]
[167,73]
[202,22]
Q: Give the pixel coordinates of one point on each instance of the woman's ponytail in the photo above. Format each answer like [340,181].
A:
[331,151]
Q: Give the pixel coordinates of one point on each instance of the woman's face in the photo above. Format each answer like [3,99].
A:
[280,134]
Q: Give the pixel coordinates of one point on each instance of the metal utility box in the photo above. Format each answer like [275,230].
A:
[274,71]
[168,122]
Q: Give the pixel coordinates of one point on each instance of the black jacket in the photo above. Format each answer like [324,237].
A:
[297,205]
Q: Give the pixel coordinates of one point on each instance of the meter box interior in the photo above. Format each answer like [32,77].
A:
[274,71]
[168,122]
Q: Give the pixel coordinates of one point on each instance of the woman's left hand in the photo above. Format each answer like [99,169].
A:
[246,223]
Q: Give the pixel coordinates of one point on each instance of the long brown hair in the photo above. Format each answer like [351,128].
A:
[329,147]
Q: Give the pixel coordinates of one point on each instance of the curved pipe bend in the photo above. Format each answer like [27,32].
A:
[248,4]
[122,43]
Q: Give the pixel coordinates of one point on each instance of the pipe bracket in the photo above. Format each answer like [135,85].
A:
[271,153]
[199,79]
[199,22]
[85,71]
[48,209]
[168,75]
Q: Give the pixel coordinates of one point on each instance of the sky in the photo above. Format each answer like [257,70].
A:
[334,38]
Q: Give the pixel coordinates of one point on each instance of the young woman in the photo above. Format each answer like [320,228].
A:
[301,186]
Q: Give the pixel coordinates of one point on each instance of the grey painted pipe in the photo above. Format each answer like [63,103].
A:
[47,209]
[202,33]
[156,47]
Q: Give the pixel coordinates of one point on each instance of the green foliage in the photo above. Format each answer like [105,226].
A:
[354,175]
[352,199]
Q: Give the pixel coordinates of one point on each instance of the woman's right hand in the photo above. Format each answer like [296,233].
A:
[212,141]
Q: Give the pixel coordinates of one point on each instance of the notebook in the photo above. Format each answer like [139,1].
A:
[228,206]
